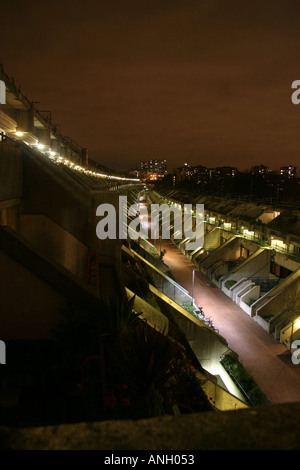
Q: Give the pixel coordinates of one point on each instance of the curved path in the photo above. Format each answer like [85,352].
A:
[258,351]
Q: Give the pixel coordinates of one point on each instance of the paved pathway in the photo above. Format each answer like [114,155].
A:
[258,351]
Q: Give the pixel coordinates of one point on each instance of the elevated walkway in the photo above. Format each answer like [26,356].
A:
[161,280]
[207,345]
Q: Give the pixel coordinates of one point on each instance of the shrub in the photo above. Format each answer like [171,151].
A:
[245,382]
[189,307]
[230,283]
[128,369]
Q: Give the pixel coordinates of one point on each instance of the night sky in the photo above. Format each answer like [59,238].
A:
[208,82]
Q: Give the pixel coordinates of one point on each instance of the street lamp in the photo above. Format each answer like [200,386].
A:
[193,282]
[160,253]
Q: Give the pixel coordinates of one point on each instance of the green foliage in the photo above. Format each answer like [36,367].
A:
[230,283]
[156,372]
[189,306]
[144,362]
[150,299]
[118,316]
[127,368]
[152,250]
[250,301]
[245,381]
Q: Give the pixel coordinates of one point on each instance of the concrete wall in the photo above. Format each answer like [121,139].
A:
[11,168]
[280,298]
[245,288]
[71,205]
[151,315]
[219,268]
[289,333]
[238,289]
[9,212]
[30,306]
[221,398]
[263,323]
[271,427]
[253,293]
[226,235]
[286,262]
[55,243]
[54,209]
[267,216]
[199,258]
[64,201]
[228,251]
[257,265]
[212,239]
[250,245]
[36,290]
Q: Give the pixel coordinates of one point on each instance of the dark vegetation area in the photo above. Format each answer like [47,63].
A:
[253,394]
[105,364]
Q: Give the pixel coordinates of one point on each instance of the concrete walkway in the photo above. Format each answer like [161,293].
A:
[258,351]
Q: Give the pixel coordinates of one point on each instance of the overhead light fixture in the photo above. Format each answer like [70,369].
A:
[297,323]
[19,133]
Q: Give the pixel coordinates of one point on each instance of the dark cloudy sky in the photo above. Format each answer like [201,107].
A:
[203,81]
